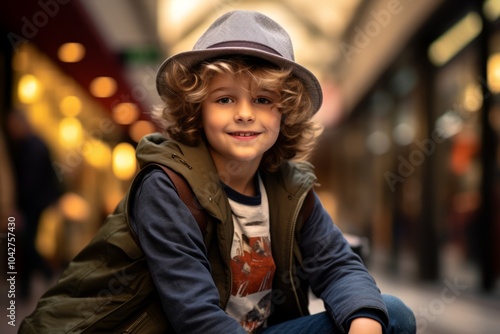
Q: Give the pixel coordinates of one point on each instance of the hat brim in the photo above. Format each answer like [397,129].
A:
[194,57]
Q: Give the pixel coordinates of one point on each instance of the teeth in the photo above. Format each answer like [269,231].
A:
[244,134]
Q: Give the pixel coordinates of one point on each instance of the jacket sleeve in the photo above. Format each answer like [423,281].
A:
[336,274]
[173,245]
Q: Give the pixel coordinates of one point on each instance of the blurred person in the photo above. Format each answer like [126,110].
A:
[6,183]
[36,188]
[238,127]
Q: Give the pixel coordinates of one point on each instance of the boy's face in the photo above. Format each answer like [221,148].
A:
[241,121]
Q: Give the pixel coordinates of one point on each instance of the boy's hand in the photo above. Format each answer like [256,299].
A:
[365,326]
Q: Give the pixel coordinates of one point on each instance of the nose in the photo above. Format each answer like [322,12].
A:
[244,112]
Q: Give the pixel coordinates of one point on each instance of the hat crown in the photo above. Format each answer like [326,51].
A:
[246,33]
[247,27]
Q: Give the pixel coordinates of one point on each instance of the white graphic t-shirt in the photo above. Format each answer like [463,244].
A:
[252,264]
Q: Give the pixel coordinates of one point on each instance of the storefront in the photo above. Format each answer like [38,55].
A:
[416,166]
[71,94]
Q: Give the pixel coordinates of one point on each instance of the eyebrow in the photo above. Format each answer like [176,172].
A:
[217,89]
[260,90]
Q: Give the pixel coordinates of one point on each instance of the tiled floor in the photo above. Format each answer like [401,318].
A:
[446,308]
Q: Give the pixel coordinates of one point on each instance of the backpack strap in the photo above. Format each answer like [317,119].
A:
[188,197]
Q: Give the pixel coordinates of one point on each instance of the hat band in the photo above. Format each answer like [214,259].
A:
[244,44]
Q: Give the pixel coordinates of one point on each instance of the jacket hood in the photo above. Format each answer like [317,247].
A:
[156,148]
[194,163]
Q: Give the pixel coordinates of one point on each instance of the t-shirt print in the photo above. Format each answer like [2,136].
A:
[252,269]
[252,264]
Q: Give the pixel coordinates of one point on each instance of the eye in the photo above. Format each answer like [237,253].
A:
[262,100]
[224,100]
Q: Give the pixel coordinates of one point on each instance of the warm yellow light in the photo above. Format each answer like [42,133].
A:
[473,97]
[70,132]
[21,61]
[39,116]
[125,113]
[491,9]
[97,153]
[455,39]
[29,90]
[71,52]
[111,199]
[103,87]
[493,72]
[140,129]
[48,232]
[176,16]
[74,207]
[70,106]
[330,202]
[124,162]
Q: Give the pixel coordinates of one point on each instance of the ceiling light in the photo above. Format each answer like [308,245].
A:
[493,73]
[29,89]
[140,129]
[98,153]
[455,39]
[176,17]
[71,52]
[70,106]
[74,207]
[70,132]
[491,9]
[124,162]
[125,113]
[103,87]
[473,97]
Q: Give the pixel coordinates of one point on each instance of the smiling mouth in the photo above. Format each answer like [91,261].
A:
[244,134]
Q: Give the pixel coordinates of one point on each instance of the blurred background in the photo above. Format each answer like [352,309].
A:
[409,160]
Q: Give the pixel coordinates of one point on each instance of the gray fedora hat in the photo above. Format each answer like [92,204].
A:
[247,33]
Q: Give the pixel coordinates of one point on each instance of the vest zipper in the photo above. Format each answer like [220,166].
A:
[135,323]
[175,156]
[228,263]
[230,289]
[294,220]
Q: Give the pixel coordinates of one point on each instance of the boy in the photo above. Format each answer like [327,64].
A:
[237,110]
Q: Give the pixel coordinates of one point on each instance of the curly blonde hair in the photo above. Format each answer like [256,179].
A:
[188,88]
